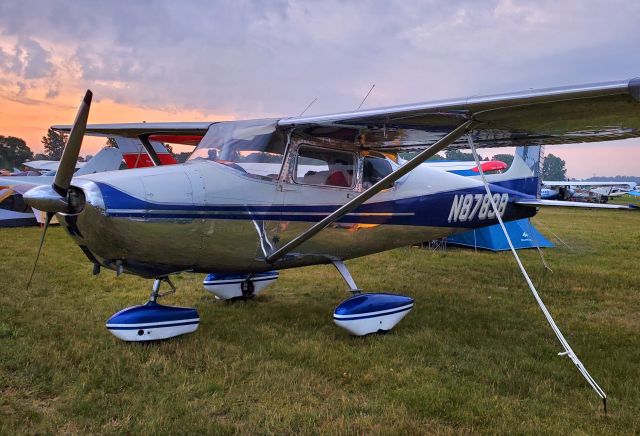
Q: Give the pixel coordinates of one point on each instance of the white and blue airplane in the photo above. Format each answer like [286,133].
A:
[264,195]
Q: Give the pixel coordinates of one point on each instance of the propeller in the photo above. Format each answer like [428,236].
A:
[58,197]
[47,220]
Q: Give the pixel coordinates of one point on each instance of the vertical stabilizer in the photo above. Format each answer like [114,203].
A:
[108,159]
[525,173]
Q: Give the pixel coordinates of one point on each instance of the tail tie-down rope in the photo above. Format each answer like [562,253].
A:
[567,348]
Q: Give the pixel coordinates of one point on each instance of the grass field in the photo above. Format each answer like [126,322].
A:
[475,355]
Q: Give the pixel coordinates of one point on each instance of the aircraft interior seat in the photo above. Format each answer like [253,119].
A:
[338,178]
[315,177]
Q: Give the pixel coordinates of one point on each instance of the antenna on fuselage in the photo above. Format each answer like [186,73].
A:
[366,96]
[308,106]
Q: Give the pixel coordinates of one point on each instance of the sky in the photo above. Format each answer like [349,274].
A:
[220,60]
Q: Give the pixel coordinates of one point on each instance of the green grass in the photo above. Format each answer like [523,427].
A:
[475,355]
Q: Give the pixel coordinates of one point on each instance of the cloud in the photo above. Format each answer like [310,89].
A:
[37,63]
[28,60]
[257,58]
[253,58]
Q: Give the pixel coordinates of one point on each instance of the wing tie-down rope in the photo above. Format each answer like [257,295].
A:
[568,351]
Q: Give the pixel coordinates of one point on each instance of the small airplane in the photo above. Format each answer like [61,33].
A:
[14,211]
[44,166]
[264,195]
[589,191]
[135,156]
[107,159]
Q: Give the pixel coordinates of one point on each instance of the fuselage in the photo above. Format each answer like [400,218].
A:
[204,216]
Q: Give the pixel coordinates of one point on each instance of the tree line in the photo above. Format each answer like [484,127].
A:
[14,151]
[553,167]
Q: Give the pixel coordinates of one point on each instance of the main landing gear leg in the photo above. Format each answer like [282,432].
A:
[346,275]
[155,293]
[362,314]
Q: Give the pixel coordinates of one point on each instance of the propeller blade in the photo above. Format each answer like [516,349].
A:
[72,149]
[47,220]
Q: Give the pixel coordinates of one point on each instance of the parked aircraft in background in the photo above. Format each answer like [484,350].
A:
[584,191]
[107,159]
[15,212]
[43,166]
[334,197]
[135,155]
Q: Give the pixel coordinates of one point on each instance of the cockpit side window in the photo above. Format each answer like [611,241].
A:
[326,167]
[374,169]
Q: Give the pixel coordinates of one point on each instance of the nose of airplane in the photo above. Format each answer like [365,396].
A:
[45,198]
[48,199]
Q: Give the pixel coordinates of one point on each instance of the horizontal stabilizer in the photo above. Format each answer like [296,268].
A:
[584,205]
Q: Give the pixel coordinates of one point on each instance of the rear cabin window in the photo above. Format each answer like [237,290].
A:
[374,169]
[316,166]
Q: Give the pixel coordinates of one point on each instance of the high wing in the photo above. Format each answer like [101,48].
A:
[573,114]
[187,133]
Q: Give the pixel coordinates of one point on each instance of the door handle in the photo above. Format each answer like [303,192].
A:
[285,188]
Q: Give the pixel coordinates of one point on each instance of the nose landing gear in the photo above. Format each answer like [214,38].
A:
[153,321]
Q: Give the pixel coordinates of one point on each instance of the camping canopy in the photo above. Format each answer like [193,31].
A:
[522,233]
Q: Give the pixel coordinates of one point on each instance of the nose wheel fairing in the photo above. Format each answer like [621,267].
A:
[153,321]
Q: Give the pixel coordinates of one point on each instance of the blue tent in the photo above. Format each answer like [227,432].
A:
[522,233]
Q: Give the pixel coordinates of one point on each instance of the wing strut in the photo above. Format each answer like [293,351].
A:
[565,345]
[379,186]
[144,140]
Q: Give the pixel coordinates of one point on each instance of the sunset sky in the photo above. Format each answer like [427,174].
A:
[206,60]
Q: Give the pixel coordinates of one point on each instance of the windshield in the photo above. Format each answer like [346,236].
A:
[254,147]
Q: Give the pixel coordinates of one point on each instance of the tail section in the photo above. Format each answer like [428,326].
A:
[135,156]
[524,174]
[107,159]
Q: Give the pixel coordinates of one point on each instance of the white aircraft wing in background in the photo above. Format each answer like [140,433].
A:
[108,159]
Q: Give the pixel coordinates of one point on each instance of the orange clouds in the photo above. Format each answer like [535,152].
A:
[29,118]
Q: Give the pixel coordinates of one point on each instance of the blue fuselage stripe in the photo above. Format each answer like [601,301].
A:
[153,326]
[425,210]
[375,315]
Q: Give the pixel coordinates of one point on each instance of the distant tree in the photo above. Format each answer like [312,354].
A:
[169,149]
[182,157]
[40,156]
[54,144]
[88,157]
[460,155]
[554,168]
[436,157]
[111,142]
[613,179]
[506,158]
[13,151]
